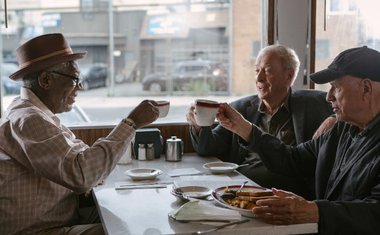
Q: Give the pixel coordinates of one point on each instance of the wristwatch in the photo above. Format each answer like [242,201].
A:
[130,122]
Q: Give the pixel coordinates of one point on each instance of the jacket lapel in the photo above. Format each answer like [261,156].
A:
[253,114]
[297,109]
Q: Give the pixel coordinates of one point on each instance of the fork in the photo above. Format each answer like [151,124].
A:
[220,227]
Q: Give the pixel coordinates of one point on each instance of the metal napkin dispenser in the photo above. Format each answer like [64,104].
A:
[148,136]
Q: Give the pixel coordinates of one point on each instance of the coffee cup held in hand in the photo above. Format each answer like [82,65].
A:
[163,107]
[205,111]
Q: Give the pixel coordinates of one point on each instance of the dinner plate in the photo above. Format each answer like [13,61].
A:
[143,173]
[191,192]
[220,167]
[217,195]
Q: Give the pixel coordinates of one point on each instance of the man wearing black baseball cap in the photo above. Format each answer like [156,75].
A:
[361,62]
[345,161]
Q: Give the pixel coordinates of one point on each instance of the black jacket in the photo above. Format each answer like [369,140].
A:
[347,194]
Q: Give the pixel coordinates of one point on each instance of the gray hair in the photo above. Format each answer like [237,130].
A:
[31,80]
[288,56]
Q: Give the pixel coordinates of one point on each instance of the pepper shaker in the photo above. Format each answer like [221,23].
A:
[150,151]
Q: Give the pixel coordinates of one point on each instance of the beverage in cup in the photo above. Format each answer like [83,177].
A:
[205,111]
[163,107]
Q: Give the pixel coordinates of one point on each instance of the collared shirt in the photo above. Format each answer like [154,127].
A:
[43,166]
[279,124]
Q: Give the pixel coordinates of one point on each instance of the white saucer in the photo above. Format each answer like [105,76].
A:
[143,173]
[191,192]
[220,167]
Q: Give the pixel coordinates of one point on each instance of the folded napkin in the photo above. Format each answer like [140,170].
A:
[202,211]
[183,171]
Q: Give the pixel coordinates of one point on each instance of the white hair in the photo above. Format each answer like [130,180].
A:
[288,57]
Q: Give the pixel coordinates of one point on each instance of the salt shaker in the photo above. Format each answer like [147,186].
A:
[142,152]
[150,151]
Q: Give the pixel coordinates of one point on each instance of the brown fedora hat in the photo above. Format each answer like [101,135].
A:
[42,52]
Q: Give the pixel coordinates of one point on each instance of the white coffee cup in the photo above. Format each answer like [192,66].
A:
[163,107]
[205,111]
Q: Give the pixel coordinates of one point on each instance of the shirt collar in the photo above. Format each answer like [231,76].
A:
[285,104]
[372,125]
[27,94]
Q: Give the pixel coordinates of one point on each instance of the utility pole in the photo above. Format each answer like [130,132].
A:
[111,85]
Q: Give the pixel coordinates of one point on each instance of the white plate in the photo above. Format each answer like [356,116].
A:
[220,167]
[191,192]
[217,195]
[143,173]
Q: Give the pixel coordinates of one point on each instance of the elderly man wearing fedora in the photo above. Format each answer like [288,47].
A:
[345,160]
[43,167]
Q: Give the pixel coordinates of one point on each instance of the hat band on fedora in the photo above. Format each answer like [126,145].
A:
[64,51]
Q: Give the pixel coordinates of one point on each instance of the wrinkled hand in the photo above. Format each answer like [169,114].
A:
[190,117]
[286,208]
[232,120]
[145,113]
[325,126]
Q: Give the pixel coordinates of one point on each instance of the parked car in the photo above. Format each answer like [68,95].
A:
[75,117]
[93,75]
[188,75]
[10,86]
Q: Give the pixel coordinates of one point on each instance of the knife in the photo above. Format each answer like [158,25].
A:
[141,186]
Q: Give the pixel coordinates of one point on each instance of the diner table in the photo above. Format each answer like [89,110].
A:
[145,210]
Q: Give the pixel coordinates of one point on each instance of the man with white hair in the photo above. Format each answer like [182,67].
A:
[292,116]
[345,160]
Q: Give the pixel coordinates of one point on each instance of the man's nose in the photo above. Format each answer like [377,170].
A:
[329,96]
[80,85]
[260,75]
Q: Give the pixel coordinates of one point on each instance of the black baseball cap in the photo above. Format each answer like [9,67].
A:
[362,62]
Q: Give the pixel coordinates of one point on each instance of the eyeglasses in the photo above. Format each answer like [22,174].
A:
[76,80]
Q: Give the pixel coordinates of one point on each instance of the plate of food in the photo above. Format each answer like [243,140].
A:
[243,200]
[220,167]
[186,192]
[143,173]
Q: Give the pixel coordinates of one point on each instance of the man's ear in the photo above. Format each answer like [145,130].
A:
[290,76]
[43,80]
[366,86]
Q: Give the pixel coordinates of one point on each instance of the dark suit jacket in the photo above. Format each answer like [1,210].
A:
[309,109]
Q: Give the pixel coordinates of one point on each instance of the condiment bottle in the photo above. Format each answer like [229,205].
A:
[141,152]
[150,151]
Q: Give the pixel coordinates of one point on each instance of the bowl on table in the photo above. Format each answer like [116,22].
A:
[186,192]
[143,173]
[220,167]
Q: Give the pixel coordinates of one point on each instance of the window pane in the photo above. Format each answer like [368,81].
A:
[163,50]
[350,23]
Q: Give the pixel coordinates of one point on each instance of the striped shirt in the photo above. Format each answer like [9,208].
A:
[43,166]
